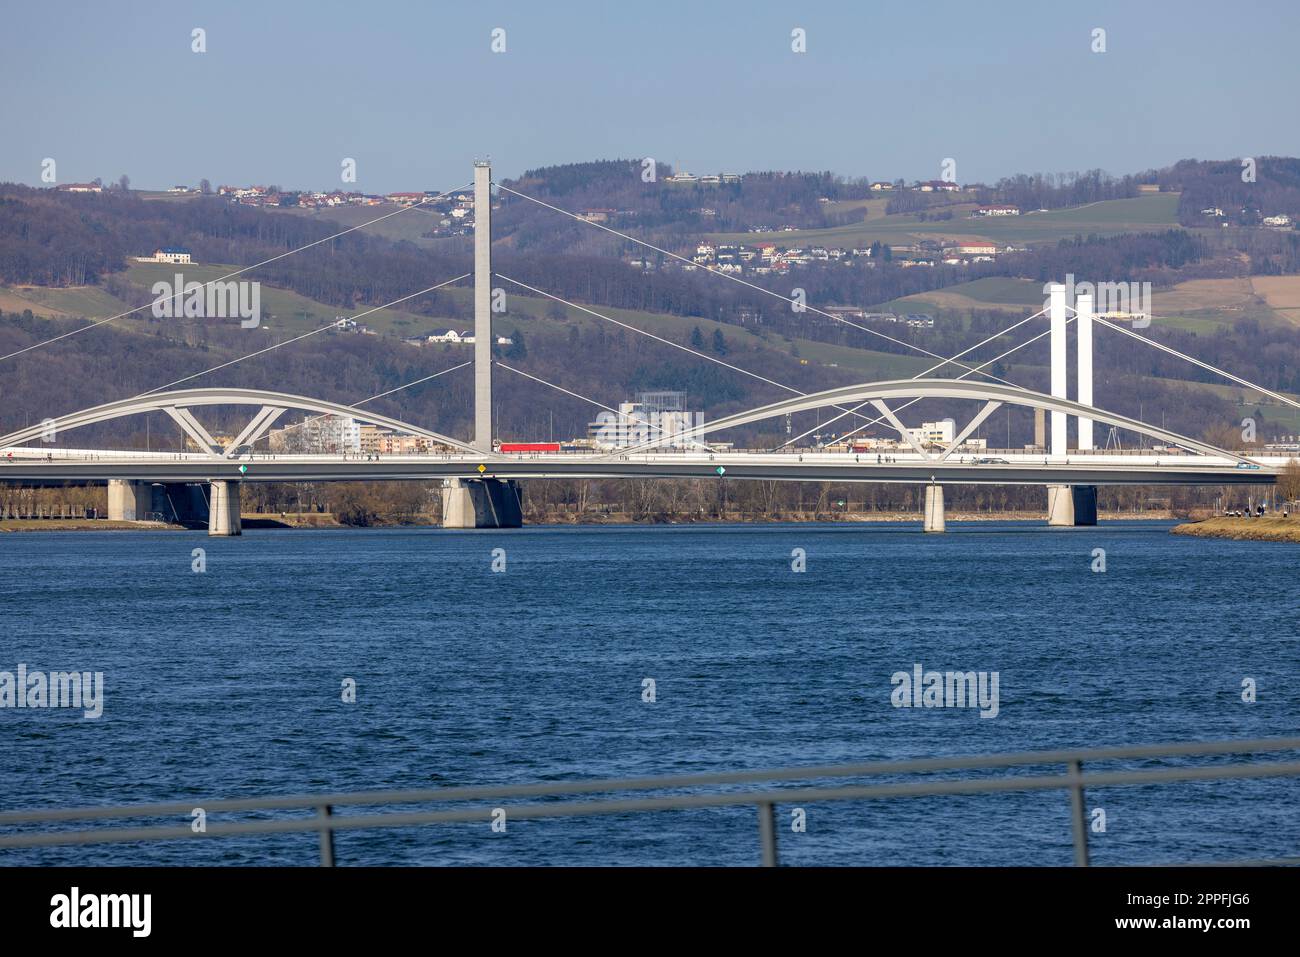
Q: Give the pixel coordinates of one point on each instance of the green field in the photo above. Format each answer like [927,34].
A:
[282,309]
[1200,305]
[58,302]
[532,315]
[1152,211]
[410,225]
[162,196]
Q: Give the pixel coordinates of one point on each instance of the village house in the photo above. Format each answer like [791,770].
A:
[974,248]
[936,186]
[177,255]
[451,335]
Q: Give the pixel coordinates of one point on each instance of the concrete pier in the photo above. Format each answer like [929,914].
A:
[1085,504]
[1071,505]
[129,500]
[1060,506]
[934,521]
[481,503]
[223,509]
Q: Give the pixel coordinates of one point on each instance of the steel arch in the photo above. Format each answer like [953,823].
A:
[178,401]
[938,389]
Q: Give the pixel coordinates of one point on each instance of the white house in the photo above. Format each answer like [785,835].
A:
[451,335]
[167,254]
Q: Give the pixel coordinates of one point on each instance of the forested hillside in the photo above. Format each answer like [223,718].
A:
[55,239]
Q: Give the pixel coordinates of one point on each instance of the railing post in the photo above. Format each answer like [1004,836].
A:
[767,832]
[1078,814]
[324,812]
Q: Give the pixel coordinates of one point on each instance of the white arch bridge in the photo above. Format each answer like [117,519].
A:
[480,491]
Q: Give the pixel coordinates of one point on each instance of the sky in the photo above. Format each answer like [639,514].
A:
[413,92]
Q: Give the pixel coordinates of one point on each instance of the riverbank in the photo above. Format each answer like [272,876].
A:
[1272,529]
[264,520]
[306,520]
[81,525]
[682,518]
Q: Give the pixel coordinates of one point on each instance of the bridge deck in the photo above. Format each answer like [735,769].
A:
[33,465]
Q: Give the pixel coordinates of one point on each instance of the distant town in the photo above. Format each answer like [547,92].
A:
[649,416]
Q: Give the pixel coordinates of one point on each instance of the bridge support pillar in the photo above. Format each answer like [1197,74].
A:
[1060,506]
[129,501]
[1071,505]
[223,509]
[934,508]
[481,503]
[1085,504]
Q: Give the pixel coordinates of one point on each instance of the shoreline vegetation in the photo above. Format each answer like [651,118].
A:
[308,520]
[1271,529]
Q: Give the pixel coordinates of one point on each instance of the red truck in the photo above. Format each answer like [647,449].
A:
[529,447]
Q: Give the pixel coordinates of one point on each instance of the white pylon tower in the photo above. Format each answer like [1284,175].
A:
[1056,311]
[1083,318]
[483,305]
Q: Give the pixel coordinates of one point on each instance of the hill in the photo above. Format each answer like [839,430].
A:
[1216,295]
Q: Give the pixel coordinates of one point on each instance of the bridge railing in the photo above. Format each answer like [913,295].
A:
[1058,770]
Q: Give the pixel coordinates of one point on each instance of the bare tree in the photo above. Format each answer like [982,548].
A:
[1288,483]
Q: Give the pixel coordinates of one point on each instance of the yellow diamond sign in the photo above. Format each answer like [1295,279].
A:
[482,469]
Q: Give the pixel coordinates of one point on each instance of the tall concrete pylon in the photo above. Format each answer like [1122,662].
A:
[486,502]
[1070,504]
[482,306]
[1059,437]
[1083,319]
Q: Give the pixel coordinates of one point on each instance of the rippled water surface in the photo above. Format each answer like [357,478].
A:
[227,683]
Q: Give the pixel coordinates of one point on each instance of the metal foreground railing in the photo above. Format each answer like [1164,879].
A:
[326,822]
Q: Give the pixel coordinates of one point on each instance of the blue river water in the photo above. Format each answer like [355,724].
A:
[228,683]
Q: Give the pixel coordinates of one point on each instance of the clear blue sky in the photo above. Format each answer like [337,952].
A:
[412,91]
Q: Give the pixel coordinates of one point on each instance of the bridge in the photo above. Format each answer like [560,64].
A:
[480,482]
